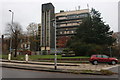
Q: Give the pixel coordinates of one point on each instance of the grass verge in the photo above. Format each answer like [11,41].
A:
[38,57]
[107,72]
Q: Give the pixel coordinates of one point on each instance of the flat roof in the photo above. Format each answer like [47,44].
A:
[72,12]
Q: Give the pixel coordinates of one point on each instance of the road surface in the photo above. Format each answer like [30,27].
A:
[19,73]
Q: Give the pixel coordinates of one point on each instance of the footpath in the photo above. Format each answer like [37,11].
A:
[61,67]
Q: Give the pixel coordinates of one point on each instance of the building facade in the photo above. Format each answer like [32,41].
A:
[47,28]
[39,37]
[67,23]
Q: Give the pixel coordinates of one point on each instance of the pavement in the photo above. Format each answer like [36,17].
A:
[49,66]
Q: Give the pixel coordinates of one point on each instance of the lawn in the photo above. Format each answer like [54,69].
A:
[52,57]
[39,57]
[3,56]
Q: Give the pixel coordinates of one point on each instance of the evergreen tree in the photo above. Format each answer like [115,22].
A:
[93,36]
[94,30]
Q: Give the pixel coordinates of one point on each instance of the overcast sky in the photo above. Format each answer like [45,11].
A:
[27,11]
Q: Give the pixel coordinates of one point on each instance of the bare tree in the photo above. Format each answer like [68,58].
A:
[15,30]
[32,30]
[116,45]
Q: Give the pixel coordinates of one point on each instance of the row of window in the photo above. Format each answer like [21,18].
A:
[102,56]
[71,21]
[68,24]
[66,29]
[66,32]
[73,16]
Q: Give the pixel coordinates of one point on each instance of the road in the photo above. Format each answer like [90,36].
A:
[19,73]
[115,69]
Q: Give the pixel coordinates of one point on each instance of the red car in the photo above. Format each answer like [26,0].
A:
[95,59]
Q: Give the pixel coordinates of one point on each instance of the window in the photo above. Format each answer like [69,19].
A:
[62,25]
[104,56]
[60,32]
[99,56]
[62,18]
[68,32]
[72,31]
[66,29]
[64,32]
[82,15]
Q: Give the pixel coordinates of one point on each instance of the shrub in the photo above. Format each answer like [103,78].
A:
[83,49]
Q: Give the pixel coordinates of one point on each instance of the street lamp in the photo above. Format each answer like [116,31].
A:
[55,61]
[11,28]
[12,16]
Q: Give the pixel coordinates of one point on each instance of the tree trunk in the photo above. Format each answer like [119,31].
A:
[15,55]
[16,45]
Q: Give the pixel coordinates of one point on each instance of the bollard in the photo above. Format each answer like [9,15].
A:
[26,57]
[9,56]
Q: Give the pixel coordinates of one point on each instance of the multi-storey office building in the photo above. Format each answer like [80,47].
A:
[47,28]
[67,23]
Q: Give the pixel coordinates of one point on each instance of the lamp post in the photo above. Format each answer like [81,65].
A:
[9,55]
[11,28]
[110,52]
[12,16]
[55,46]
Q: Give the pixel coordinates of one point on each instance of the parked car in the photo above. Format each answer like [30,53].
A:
[95,59]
